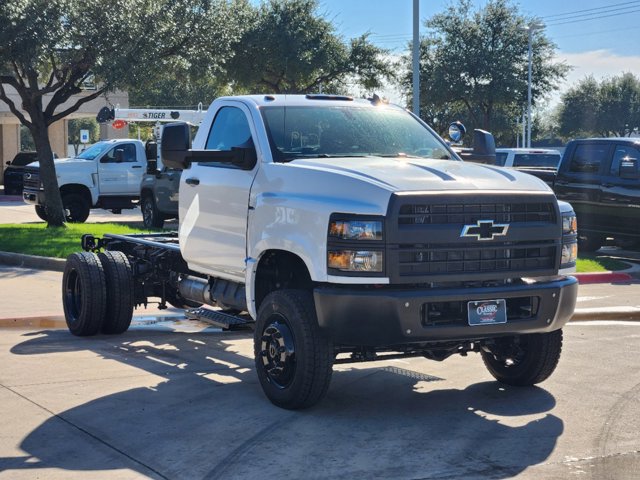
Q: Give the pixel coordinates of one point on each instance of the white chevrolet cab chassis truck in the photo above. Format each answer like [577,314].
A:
[342,230]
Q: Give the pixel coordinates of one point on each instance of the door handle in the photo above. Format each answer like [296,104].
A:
[607,185]
[137,166]
[192,181]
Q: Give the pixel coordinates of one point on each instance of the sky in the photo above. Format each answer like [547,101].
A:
[600,38]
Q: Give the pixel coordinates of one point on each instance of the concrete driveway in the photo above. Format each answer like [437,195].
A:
[181,401]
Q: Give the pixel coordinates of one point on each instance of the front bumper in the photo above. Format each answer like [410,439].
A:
[33,197]
[387,317]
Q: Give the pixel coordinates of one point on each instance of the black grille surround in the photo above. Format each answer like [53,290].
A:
[424,242]
[31,178]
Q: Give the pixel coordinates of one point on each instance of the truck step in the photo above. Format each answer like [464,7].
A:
[220,319]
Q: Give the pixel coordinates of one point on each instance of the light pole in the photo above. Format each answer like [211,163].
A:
[530,29]
[416,57]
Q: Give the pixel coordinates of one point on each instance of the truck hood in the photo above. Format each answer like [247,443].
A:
[70,163]
[404,174]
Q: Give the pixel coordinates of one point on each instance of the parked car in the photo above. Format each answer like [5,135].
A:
[14,171]
[528,157]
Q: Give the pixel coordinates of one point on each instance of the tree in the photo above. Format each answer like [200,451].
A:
[199,75]
[49,48]
[475,62]
[76,125]
[288,47]
[608,108]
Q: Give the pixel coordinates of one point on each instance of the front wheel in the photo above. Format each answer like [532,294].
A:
[76,208]
[524,360]
[151,217]
[292,355]
[41,212]
[590,243]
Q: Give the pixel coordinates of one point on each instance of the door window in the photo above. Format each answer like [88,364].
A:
[588,158]
[501,158]
[622,153]
[230,129]
[128,151]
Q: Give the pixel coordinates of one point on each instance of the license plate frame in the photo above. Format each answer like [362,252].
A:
[486,312]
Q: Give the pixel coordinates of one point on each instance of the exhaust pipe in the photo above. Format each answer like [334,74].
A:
[195,289]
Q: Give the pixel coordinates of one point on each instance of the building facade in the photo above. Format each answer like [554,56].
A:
[58,132]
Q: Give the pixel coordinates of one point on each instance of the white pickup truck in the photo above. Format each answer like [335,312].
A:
[346,231]
[106,175]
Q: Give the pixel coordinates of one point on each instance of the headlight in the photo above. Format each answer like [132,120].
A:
[569,254]
[569,224]
[356,260]
[356,229]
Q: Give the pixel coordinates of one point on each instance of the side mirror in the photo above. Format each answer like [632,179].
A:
[245,156]
[175,145]
[119,155]
[484,148]
[629,168]
[8,163]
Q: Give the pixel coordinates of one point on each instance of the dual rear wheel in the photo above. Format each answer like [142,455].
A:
[98,293]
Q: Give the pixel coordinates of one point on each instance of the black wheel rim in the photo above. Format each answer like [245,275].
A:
[510,354]
[147,213]
[277,350]
[72,212]
[73,296]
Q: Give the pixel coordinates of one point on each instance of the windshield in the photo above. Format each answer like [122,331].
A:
[94,150]
[317,131]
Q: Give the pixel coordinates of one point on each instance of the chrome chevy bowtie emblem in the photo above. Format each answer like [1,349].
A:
[485,230]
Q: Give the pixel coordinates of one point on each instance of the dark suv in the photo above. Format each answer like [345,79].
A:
[14,170]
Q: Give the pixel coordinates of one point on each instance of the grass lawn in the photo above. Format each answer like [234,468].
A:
[37,239]
[594,263]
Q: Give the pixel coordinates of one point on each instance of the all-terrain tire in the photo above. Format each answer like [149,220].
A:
[84,293]
[76,207]
[41,212]
[120,292]
[526,359]
[151,217]
[293,357]
[590,243]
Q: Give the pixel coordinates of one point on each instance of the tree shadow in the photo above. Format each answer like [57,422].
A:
[201,414]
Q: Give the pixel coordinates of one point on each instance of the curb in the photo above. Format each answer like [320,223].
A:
[602,277]
[612,313]
[32,261]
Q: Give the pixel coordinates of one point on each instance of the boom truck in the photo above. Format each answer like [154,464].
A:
[159,185]
[342,230]
[109,173]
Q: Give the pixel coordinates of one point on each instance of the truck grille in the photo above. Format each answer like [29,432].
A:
[31,178]
[470,258]
[420,214]
[425,241]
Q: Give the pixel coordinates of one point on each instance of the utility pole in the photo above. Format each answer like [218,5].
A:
[416,57]
[530,29]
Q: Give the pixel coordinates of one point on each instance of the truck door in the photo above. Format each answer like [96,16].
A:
[621,196]
[214,200]
[579,183]
[120,173]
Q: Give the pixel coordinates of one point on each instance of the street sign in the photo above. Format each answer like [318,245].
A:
[84,136]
